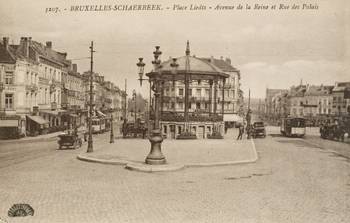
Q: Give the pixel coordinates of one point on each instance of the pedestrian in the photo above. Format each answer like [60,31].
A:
[226,128]
[240,132]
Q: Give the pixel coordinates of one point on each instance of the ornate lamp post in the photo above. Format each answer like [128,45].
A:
[111,140]
[155,157]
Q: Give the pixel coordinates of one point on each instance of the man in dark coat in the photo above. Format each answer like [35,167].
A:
[240,133]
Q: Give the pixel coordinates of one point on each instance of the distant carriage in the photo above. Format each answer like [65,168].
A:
[132,129]
[293,127]
[335,129]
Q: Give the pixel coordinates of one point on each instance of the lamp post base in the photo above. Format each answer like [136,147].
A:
[155,157]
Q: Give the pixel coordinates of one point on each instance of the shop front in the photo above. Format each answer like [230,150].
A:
[36,125]
[12,127]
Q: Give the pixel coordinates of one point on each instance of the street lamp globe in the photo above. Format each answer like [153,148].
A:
[141,66]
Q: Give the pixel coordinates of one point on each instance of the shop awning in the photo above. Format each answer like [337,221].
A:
[101,114]
[54,112]
[8,123]
[232,118]
[38,119]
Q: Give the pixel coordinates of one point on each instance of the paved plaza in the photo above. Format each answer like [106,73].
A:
[179,153]
[293,180]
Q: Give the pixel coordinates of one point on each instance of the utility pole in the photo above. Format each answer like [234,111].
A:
[90,142]
[248,117]
[125,102]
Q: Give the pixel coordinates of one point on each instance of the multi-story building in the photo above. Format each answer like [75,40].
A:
[272,101]
[73,97]
[296,95]
[107,97]
[18,87]
[317,100]
[280,105]
[341,99]
[52,66]
[232,84]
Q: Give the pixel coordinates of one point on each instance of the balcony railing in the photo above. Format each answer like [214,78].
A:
[192,117]
[32,87]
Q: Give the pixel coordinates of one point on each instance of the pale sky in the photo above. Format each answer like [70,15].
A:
[272,48]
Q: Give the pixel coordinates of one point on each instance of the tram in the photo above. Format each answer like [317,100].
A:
[98,125]
[293,127]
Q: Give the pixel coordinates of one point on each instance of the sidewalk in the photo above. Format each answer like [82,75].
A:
[179,153]
[32,139]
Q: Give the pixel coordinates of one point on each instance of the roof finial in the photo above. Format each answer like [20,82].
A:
[188,48]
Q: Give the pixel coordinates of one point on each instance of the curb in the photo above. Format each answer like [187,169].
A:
[29,139]
[102,161]
[142,167]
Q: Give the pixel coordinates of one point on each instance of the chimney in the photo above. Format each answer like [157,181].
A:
[228,60]
[211,59]
[49,44]
[24,44]
[5,41]
[75,68]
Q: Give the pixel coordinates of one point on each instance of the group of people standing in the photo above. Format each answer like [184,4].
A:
[241,128]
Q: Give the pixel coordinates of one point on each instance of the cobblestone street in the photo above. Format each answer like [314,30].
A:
[292,181]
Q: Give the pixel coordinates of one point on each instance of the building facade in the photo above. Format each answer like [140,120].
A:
[41,90]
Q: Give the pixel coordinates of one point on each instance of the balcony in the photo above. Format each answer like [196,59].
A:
[32,87]
[192,117]
[43,81]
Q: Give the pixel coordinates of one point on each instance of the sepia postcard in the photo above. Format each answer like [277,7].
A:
[167,111]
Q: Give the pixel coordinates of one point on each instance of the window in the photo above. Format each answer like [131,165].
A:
[181,92]
[189,92]
[189,105]
[9,101]
[9,77]
[198,92]
[181,105]
[206,92]
[198,105]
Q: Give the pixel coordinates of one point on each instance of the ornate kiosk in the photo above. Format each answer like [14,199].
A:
[191,105]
